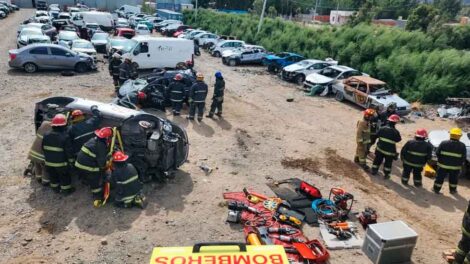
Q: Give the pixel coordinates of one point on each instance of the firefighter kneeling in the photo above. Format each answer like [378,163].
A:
[126,181]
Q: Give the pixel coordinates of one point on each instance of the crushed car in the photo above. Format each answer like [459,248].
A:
[316,83]
[156,151]
[366,91]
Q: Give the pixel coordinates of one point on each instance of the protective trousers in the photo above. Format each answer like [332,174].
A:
[462,252]
[59,176]
[361,153]
[94,179]
[196,107]
[407,169]
[442,174]
[40,172]
[116,82]
[216,106]
[379,158]
[176,107]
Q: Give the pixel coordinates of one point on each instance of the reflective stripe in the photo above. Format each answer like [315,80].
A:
[448,167]
[199,101]
[385,152]
[55,149]
[131,179]
[39,136]
[453,185]
[45,181]
[200,92]
[54,185]
[87,168]
[127,199]
[451,154]
[419,154]
[387,140]
[88,152]
[387,169]
[460,252]
[437,185]
[178,92]
[56,164]
[466,261]
[84,135]
[465,232]
[375,166]
[413,164]
[36,155]
[178,101]
[417,181]
[66,187]
[97,190]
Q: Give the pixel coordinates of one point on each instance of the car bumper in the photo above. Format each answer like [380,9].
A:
[288,76]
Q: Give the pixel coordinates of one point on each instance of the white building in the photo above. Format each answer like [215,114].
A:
[338,17]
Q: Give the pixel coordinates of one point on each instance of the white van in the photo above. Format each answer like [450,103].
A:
[128,8]
[104,19]
[151,52]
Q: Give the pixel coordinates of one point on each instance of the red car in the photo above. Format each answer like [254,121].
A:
[125,32]
[179,32]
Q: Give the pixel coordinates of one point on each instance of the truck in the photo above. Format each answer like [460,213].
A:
[103,19]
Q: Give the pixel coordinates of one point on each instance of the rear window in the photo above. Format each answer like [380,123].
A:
[39,51]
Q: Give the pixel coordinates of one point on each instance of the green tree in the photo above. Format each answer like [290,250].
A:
[448,8]
[257,6]
[272,12]
[421,17]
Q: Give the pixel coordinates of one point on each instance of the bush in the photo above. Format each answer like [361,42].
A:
[419,66]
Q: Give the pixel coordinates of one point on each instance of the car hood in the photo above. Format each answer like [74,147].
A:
[99,42]
[318,79]
[272,57]
[386,99]
[294,67]
[85,51]
[435,137]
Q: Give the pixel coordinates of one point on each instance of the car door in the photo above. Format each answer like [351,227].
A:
[246,56]
[349,87]
[360,94]
[40,56]
[316,67]
[143,56]
[62,58]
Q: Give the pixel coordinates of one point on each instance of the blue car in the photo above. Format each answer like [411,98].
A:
[276,62]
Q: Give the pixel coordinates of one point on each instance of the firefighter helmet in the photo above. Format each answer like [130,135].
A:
[59,120]
[178,77]
[77,113]
[141,95]
[218,74]
[394,118]
[104,132]
[421,133]
[119,156]
[368,113]
[455,133]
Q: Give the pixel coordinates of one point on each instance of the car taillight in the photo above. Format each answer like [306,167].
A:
[12,56]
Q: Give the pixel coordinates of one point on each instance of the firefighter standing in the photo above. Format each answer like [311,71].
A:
[197,98]
[451,155]
[36,155]
[389,111]
[91,162]
[374,127]
[176,89]
[388,137]
[462,253]
[82,130]
[218,98]
[363,138]
[414,155]
[126,70]
[114,69]
[57,148]
[128,187]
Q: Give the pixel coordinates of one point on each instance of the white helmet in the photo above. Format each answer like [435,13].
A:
[127,56]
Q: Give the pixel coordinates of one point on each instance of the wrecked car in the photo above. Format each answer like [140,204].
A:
[316,83]
[435,137]
[156,151]
[366,91]
[297,72]
[276,62]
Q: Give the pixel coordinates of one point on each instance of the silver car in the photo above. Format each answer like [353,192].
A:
[66,38]
[49,57]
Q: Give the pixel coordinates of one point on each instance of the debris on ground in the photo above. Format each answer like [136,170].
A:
[305,164]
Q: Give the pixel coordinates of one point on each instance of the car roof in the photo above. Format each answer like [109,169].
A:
[342,68]
[48,45]
[81,40]
[31,29]
[368,80]
[312,61]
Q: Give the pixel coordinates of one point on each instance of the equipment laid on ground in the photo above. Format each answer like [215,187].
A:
[325,209]
[367,217]
[390,242]
[343,201]
[344,236]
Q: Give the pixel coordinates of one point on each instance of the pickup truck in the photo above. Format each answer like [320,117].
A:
[275,62]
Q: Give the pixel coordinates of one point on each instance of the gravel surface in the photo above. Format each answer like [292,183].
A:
[262,137]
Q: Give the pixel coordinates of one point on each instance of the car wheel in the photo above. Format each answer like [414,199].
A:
[217,54]
[81,67]
[339,96]
[300,79]
[232,63]
[271,68]
[30,67]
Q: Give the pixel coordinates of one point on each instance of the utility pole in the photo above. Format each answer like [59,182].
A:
[196,10]
[315,12]
[261,17]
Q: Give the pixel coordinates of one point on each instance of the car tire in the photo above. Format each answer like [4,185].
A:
[339,96]
[299,79]
[81,67]
[217,54]
[232,62]
[271,69]
[30,67]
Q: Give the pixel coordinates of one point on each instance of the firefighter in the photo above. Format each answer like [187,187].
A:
[414,155]
[197,98]
[114,64]
[176,89]
[462,252]
[126,70]
[82,130]
[388,137]
[218,97]
[363,138]
[374,127]
[451,155]
[58,155]
[128,187]
[390,110]
[91,162]
[36,155]
[133,100]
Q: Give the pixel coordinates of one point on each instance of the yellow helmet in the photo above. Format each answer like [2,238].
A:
[199,76]
[455,133]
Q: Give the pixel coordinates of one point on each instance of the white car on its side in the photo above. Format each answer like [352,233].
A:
[298,71]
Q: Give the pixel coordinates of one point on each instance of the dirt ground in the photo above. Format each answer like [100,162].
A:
[259,139]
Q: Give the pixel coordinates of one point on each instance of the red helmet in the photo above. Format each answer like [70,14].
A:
[77,113]
[421,133]
[394,118]
[119,156]
[369,113]
[141,95]
[104,132]
[178,77]
[59,120]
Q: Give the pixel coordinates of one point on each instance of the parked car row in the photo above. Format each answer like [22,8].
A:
[7,8]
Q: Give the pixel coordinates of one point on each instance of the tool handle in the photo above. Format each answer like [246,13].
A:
[197,247]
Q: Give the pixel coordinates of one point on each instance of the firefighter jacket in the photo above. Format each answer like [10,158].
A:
[35,153]
[114,66]
[198,92]
[416,153]
[93,155]
[219,88]
[125,176]
[374,125]
[388,137]
[363,132]
[127,71]
[81,132]
[57,147]
[176,89]
[466,223]
[451,154]
[383,117]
